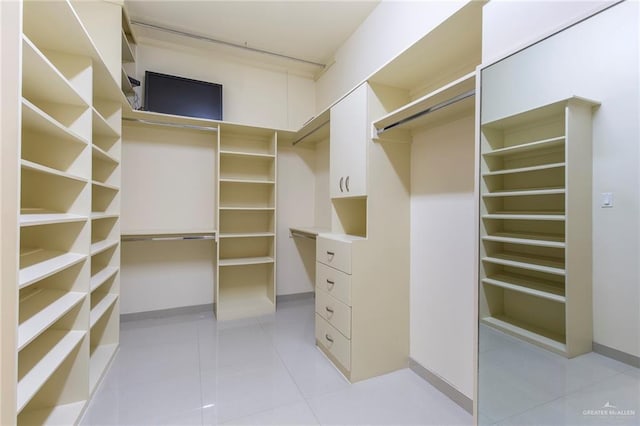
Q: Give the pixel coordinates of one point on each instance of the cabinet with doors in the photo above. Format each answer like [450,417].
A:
[536,226]
[362,265]
[247,166]
[348,136]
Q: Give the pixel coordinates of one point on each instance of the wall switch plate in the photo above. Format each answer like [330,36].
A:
[606,199]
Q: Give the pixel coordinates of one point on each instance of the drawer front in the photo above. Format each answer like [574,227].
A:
[334,253]
[333,342]
[333,282]
[334,312]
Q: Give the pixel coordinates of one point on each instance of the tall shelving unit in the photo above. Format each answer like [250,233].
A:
[245,276]
[536,226]
[68,99]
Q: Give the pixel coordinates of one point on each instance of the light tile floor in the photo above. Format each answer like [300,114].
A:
[521,384]
[192,370]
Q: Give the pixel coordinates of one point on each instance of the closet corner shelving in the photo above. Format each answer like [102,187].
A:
[536,226]
[247,170]
[69,148]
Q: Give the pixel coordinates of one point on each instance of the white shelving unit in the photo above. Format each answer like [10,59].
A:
[70,134]
[245,275]
[536,226]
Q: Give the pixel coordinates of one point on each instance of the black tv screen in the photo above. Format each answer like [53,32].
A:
[182,96]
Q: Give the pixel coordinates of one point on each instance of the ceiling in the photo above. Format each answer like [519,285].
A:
[307,30]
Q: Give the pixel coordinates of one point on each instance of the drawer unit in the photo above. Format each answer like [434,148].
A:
[333,282]
[333,342]
[334,312]
[334,253]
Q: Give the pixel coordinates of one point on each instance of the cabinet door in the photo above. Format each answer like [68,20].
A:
[348,139]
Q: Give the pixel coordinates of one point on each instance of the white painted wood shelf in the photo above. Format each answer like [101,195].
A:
[37,264]
[39,217]
[41,362]
[100,246]
[98,311]
[535,273]
[99,360]
[102,276]
[38,121]
[63,414]
[246,218]
[240,261]
[41,309]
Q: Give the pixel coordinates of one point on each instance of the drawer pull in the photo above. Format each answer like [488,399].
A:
[346,183]
[329,309]
[341,180]
[326,336]
[331,283]
[331,253]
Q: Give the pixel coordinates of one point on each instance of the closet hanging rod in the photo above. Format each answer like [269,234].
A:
[129,238]
[306,135]
[429,110]
[182,126]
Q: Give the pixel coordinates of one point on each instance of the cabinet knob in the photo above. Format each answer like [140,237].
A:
[341,179]
[346,183]
[326,336]
[328,309]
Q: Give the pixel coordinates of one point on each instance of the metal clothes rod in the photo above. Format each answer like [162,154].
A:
[310,132]
[429,110]
[182,126]
[225,43]
[171,238]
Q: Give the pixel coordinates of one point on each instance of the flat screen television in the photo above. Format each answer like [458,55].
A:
[182,96]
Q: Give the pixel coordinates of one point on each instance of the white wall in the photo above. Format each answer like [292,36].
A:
[391,28]
[251,95]
[509,25]
[443,238]
[295,267]
[597,59]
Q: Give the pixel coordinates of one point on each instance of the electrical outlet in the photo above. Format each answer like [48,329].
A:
[606,200]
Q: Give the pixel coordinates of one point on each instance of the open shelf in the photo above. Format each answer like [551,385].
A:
[101,127]
[100,216]
[535,262]
[36,120]
[42,80]
[105,186]
[53,347]
[537,239]
[39,168]
[531,262]
[429,109]
[554,216]
[245,261]
[523,193]
[100,246]
[242,154]
[42,308]
[552,341]
[99,360]
[256,181]
[127,52]
[527,147]
[37,217]
[100,308]
[63,414]
[527,285]
[315,130]
[100,154]
[246,208]
[525,169]
[37,264]
[246,234]
[102,277]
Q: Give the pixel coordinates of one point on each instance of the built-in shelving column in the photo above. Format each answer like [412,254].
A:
[536,226]
[245,284]
[105,235]
[55,203]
